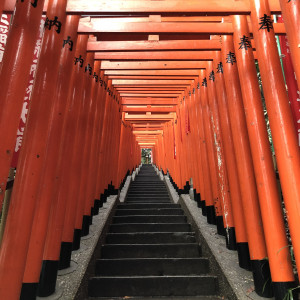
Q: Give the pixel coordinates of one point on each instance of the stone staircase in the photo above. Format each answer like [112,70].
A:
[150,249]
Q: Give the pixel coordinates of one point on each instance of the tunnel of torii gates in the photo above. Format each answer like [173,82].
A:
[96,81]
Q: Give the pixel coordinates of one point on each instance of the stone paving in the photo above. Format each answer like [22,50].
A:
[240,280]
[69,280]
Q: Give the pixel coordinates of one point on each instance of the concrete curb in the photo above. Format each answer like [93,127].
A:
[70,282]
[224,261]
[125,188]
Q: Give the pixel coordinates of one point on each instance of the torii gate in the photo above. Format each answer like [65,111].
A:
[179,77]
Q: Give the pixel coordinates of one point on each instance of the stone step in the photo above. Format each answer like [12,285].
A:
[148,198]
[148,205]
[148,188]
[161,298]
[153,286]
[148,184]
[152,266]
[143,192]
[149,219]
[145,184]
[150,238]
[147,179]
[151,251]
[154,199]
[149,227]
[150,211]
[147,202]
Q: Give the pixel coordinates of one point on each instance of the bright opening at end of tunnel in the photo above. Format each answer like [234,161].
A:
[146,156]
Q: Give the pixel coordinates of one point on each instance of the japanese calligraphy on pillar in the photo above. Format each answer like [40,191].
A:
[230,58]
[33,3]
[291,82]
[266,23]
[4,27]
[245,43]
[220,68]
[28,93]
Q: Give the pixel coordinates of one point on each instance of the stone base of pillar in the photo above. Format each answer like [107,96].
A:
[29,291]
[48,278]
[65,255]
[230,238]
[211,214]
[220,226]
[244,256]
[76,239]
[262,278]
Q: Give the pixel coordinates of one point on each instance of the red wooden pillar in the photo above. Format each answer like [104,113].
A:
[209,141]
[69,229]
[256,127]
[184,148]
[177,176]
[116,142]
[108,138]
[205,182]
[103,79]
[281,122]
[195,144]
[229,152]
[187,143]
[100,112]
[63,207]
[181,169]
[100,188]
[109,131]
[88,196]
[206,162]
[223,205]
[291,16]
[16,64]
[106,135]
[2,3]
[122,151]
[180,153]
[117,180]
[94,141]
[33,152]
[110,135]
[120,115]
[49,178]
[193,159]
[264,171]
[241,147]
[201,196]
[82,221]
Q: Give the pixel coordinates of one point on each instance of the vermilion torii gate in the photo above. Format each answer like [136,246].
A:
[175,76]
